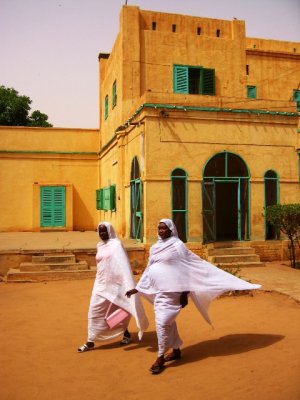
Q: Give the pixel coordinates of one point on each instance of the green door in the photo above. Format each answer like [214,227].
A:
[136,214]
[225,198]
[271,198]
[209,211]
[53,206]
[228,209]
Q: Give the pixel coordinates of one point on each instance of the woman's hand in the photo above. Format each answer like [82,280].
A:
[184,299]
[131,292]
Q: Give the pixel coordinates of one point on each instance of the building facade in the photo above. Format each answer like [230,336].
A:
[48,178]
[198,123]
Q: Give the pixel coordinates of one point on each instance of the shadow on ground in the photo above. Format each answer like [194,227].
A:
[228,345]
[223,346]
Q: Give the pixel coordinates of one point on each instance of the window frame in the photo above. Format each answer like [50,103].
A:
[114,95]
[106,198]
[181,80]
[183,177]
[53,206]
[251,92]
[296,97]
[106,107]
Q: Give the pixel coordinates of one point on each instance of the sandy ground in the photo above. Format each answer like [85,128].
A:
[253,352]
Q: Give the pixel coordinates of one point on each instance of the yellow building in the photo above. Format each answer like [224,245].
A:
[48,178]
[197,122]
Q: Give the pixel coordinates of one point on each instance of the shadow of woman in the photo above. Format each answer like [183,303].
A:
[149,340]
[227,345]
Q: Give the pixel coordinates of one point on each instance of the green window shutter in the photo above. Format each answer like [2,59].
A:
[109,198]
[180,79]
[53,206]
[114,94]
[106,107]
[112,198]
[99,199]
[297,98]
[106,198]
[208,81]
[251,92]
[46,206]
[59,206]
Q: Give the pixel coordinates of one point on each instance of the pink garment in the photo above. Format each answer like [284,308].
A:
[97,326]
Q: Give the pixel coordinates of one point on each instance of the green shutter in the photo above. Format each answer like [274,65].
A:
[114,94]
[106,198]
[99,199]
[109,198]
[112,198]
[208,81]
[53,206]
[180,79]
[46,206]
[251,92]
[106,107]
[297,98]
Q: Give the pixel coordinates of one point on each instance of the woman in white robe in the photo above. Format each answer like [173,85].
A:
[113,278]
[173,273]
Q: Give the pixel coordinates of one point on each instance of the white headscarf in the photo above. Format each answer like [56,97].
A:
[173,267]
[170,224]
[110,229]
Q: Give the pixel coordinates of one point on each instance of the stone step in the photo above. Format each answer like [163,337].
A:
[55,258]
[222,245]
[230,250]
[14,275]
[35,267]
[241,265]
[235,258]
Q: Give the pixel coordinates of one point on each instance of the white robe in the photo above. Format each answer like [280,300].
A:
[167,307]
[113,278]
[173,269]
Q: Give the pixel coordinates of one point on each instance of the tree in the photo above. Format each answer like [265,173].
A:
[14,110]
[286,218]
[38,119]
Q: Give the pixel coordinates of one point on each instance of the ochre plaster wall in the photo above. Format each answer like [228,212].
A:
[188,141]
[272,67]
[33,157]
[163,138]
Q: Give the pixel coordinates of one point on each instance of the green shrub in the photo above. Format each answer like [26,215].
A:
[286,218]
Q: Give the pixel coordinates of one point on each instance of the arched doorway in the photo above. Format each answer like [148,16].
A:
[225,198]
[179,201]
[136,215]
[271,198]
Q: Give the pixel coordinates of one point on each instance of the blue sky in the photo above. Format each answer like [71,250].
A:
[49,48]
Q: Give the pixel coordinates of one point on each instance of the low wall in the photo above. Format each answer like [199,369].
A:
[137,256]
[272,250]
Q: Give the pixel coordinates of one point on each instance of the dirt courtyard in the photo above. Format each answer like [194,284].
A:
[253,352]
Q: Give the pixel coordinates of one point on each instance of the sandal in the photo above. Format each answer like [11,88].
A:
[125,340]
[157,367]
[175,355]
[85,347]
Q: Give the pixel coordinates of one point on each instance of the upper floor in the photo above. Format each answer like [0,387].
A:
[181,60]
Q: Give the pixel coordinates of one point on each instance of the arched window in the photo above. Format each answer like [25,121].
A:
[225,198]
[179,201]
